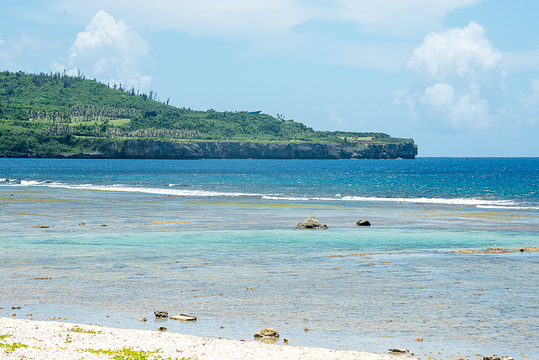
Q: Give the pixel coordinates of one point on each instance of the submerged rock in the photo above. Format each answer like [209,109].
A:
[310,223]
[363,223]
[41,226]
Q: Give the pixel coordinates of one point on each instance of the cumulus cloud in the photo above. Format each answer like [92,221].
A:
[109,50]
[462,77]
[460,52]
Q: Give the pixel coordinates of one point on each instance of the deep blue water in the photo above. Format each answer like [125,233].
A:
[216,238]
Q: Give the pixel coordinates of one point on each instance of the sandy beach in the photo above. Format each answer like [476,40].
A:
[28,339]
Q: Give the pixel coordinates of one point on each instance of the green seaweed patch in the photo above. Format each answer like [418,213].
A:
[130,354]
[2,337]
[77,329]
[13,346]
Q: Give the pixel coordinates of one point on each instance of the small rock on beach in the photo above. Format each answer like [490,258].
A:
[363,223]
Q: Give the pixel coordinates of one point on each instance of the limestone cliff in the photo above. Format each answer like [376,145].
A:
[151,149]
[155,149]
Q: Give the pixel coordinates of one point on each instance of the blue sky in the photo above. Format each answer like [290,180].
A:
[460,77]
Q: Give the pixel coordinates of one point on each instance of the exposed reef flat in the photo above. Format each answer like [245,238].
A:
[498,250]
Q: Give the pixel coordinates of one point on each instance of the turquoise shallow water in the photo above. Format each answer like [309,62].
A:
[216,239]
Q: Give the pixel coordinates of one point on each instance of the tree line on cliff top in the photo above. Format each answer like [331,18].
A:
[57,113]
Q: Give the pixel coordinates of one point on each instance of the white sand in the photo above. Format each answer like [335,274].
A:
[52,340]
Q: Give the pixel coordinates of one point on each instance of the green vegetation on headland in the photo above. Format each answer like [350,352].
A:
[59,115]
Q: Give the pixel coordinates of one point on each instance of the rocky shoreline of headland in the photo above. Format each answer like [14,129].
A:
[157,149]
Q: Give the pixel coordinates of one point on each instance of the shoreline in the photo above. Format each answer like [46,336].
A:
[36,339]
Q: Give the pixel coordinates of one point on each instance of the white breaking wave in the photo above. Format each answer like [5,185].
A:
[132,189]
[157,191]
[172,190]
[458,201]
[508,207]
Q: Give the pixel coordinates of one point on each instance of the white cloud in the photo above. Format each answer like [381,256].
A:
[334,116]
[263,18]
[530,103]
[267,26]
[109,50]
[521,60]
[462,75]
[463,52]
[2,42]
[401,18]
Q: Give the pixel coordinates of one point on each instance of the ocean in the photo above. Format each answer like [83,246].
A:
[216,239]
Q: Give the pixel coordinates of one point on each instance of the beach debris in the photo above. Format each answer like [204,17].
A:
[41,227]
[16,308]
[310,223]
[161,314]
[419,339]
[398,351]
[142,319]
[250,288]
[183,317]
[363,223]
[103,225]
[266,333]
[162,328]
[81,224]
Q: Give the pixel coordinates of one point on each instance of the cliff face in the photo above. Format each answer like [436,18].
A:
[151,149]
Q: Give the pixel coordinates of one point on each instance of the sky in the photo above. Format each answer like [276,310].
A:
[460,77]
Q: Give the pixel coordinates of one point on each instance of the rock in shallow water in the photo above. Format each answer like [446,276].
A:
[311,223]
[398,351]
[363,223]
[267,333]
[161,314]
[183,317]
